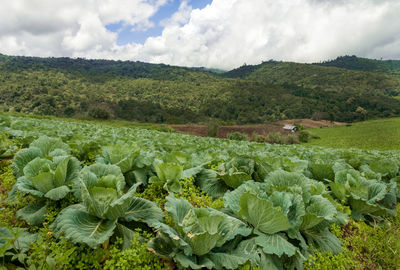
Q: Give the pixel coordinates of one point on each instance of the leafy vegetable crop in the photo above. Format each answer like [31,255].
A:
[280,201]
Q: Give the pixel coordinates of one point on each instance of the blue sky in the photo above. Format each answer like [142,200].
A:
[126,35]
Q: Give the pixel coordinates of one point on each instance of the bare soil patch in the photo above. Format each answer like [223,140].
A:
[264,130]
[308,123]
[197,130]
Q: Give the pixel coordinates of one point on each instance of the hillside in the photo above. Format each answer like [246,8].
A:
[382,134]
[364,64]
[167,94]
[323,78]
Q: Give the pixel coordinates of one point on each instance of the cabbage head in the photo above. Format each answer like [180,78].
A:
[47,171]
[198,237]
[105,208]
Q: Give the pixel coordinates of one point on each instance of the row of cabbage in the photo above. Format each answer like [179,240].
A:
[280,201]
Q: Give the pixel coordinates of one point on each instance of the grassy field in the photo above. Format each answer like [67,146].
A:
[382,134]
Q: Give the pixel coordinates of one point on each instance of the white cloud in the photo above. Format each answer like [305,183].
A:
[69,27]
[224,34]
[228,33]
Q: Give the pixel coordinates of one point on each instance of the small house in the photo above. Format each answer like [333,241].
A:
[290,128]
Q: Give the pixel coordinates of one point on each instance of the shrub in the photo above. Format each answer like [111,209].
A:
[291,139]
[237,136]
[304,136]
[135,257]
[299,126]
[196,197]
[212,129]
[257,138]
[276,137]
[51,253]
[99,113]
[69,111]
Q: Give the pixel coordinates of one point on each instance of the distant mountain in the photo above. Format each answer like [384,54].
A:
[325,78]
[163,93]
[364,64]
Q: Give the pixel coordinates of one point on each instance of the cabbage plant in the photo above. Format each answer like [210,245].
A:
[366,197]
[124,156]
[229,175]
[47,171]
[169,174]
[199,237]
[7,148]
[287,213]
[105,208]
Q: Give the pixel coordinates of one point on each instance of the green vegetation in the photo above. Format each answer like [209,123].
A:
[364,247]
[237,136]
[101,89]
[323,78]
[383,134]
[155,200]
[356,63]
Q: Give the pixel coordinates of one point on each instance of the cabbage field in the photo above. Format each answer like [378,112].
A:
[86,196]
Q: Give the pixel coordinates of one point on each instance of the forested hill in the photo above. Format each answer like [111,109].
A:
[325,78]
[162,93]
[103,68]
[364,64]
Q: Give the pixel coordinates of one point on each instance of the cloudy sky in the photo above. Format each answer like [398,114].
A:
[212,33]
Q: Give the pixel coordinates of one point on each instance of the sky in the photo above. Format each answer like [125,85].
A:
[222,34]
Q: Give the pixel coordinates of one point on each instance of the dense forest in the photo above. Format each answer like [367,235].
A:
[357,63]
[167,94]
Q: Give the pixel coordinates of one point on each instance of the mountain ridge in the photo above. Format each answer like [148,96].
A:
[161,93]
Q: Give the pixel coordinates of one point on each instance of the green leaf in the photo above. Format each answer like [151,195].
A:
[168,171]
[209,183]
[119,207]
[23,239]
[47,145]
[262,214]
[126,234]
[226,260]
[122,155]
[25,186]
[376,192]
[324,240]
[24,156]
[387,167]
[99,199]
[339,190]
[60,174]
[177,208]
[275,244]
[173,186]
[57,193]
[291,205]
[232,198]
[43,182]
[192,262]
[37,166]
[144,211]
[318,210]
[235,179]
[174,239]
[163,246]
[290,181]
[91,176]
[81,227]
[34,214]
